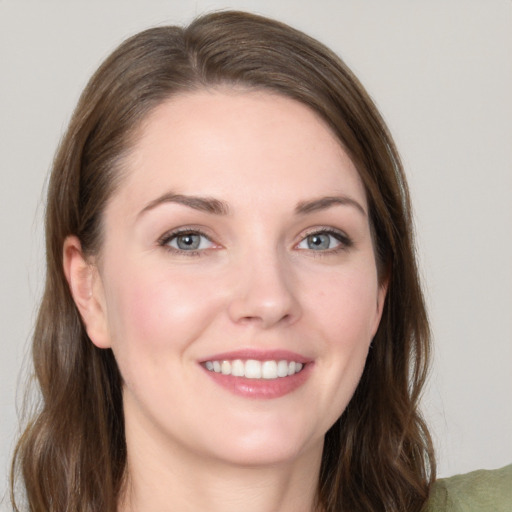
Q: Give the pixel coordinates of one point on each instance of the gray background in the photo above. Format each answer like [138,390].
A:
[441,73]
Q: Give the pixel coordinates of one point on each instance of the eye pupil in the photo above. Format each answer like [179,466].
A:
[318,241]
[188,241]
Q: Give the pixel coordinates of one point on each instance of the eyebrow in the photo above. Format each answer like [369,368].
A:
[323,203]
[218,207]
[203,204]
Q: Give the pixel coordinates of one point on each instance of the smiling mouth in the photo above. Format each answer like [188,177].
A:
[254,369]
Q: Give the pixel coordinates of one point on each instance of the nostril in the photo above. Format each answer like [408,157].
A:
[286,317]
[265,319]
[264,299]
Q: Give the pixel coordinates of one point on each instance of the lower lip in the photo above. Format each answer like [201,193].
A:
[261,388]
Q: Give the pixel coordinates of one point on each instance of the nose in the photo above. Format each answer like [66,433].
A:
[265,293]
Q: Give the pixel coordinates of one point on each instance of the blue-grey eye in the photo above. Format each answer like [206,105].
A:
[322,241]
[189,242]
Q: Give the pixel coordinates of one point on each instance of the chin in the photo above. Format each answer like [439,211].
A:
[265,446]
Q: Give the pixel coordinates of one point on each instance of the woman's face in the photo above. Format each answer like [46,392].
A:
[238,243]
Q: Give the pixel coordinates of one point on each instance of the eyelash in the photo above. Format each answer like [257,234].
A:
[345,241]
[165,240]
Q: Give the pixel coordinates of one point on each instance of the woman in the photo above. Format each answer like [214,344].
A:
[232,314]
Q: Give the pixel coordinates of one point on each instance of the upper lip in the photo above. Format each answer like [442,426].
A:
[259,355]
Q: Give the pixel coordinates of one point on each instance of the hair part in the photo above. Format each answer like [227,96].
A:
[72,456]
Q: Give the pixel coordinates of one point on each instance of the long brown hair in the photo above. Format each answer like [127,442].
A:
[378,456]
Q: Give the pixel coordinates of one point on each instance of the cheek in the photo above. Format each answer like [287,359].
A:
[158,311]
[345,313]
[346,306]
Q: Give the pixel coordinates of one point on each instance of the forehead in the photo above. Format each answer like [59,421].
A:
[235,145]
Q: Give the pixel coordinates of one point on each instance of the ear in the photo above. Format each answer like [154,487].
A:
[381,299]
[87,291]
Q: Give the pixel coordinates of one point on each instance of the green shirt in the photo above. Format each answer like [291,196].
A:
[479,491]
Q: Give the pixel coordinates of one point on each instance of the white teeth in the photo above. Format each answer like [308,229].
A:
[269,370]
[225,368]
[282,368]
[253,369]
[237,368]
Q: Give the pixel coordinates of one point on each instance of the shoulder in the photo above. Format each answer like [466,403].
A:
[479,491]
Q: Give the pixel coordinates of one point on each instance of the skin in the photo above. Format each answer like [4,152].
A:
[257,281]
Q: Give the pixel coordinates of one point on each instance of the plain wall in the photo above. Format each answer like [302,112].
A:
[441,73]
